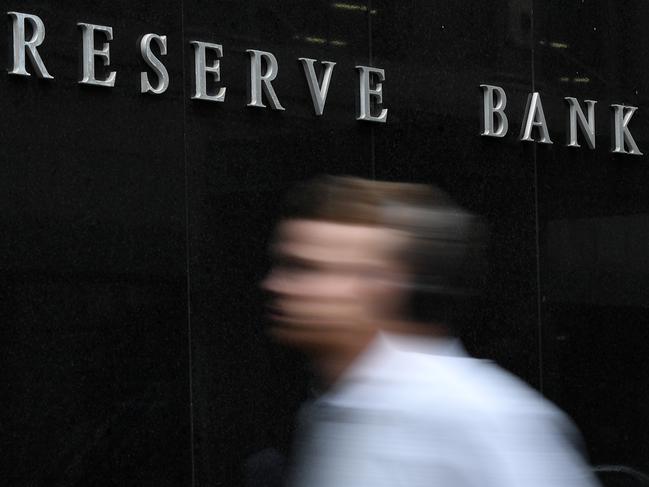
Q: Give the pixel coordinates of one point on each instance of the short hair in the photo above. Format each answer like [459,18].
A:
[445,250]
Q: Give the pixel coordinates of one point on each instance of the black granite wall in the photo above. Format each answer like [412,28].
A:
[134,226]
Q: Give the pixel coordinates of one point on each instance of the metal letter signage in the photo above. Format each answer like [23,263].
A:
[621,136]
[576,116]
[318,93]
[22,47]
[366,94]
[90,53]
[494,102]
[155,79]
[154,63]
[494,106]
[201,69]
[534,117]
[260,81]
[264,70]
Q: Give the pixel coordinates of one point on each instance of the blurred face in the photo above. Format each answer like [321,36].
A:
[332,284]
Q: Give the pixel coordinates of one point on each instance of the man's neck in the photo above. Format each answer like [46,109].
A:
[331,364]
[411,328]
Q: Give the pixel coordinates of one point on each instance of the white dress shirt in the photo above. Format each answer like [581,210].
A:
[417,412]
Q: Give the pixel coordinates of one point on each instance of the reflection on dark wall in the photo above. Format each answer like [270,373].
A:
[593,229]
[92,282]
[598,261]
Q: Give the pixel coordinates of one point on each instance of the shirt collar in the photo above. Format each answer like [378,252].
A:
[383,359]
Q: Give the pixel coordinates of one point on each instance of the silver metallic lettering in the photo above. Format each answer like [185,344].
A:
[318,92]
[366,94]
[576,117]
[154,63]
[259,81]
[90,54]
[621,135]
[534,117]
[494,103]
[201,69]
[22,47]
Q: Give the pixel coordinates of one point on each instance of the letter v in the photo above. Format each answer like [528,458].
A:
[318,93]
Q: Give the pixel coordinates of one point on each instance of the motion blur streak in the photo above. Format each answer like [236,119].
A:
[371,281]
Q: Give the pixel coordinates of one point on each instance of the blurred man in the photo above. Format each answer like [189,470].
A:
[369,281]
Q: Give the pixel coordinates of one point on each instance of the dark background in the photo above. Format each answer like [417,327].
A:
[134,227]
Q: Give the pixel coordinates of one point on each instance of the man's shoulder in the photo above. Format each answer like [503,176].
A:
[459,386]
[435,380]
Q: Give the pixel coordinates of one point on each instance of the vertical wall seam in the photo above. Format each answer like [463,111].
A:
[537,233]
[187,253]
[370,59]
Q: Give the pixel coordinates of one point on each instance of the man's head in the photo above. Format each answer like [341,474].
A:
[354,256]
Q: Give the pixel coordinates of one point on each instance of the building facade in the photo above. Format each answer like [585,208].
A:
[147,145]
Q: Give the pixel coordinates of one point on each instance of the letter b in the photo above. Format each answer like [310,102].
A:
[494,102]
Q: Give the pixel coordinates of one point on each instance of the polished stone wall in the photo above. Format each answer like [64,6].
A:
[135,226]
